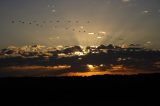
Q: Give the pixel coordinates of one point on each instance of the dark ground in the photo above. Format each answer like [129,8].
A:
[130,90]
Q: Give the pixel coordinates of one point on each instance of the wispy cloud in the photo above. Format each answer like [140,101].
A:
[91,33]
[146,12]
[126,1]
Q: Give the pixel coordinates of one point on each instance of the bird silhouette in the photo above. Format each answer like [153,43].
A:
[13,22]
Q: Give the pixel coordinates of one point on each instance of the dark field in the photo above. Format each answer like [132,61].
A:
[108,89]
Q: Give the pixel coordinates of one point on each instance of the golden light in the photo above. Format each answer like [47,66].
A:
[91,33]
[84,74]
[102,32]
[30,68]
[124,46]
[82,27]
[99,37]
[102,65]
[79,53]
[90,66]
[118,68]
[60,67]
[61,55]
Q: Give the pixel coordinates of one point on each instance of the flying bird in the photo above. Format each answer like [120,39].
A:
[44,22]
[88,22]
[50,21]
[66,28]
[69,21]
[34,21]
[13,22]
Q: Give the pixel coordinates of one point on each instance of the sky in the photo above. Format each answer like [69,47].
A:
[79,22]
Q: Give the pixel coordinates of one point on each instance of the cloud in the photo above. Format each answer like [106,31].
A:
[146,12]
[149,42]
[126,1]
[82,27]
[91,33]
[102,32]
[99,37]
[53,10]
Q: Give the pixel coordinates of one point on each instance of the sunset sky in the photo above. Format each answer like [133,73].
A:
[79,22]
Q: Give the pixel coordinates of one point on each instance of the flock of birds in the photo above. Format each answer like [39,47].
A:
[56,22]
[72,26]
[69,25]
[81,28]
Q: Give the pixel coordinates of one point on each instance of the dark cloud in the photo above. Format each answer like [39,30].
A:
[38,60]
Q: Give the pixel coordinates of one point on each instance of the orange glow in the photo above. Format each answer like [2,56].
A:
[84,74]
[95,68]
[79,53]
[118,68]
[91,67]
[88,74]
[60,67]
[91,33]
[66,70]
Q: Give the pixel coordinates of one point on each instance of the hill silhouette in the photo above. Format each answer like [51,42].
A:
[132,89]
